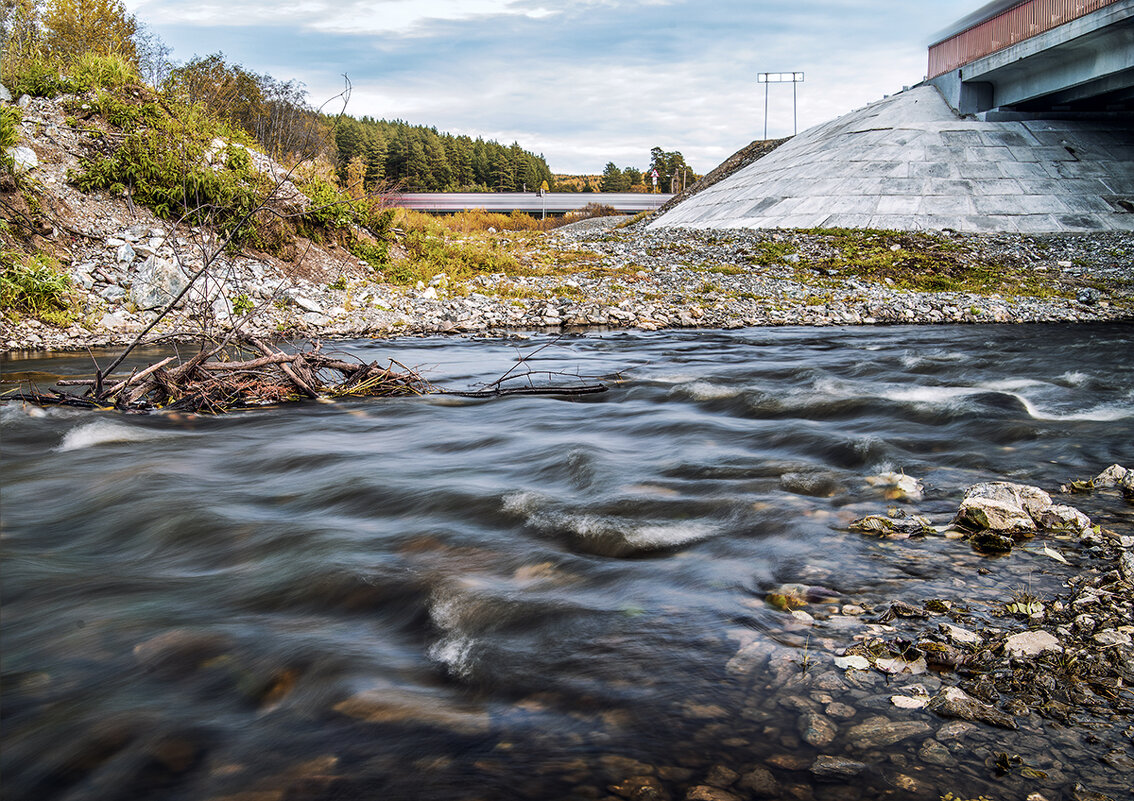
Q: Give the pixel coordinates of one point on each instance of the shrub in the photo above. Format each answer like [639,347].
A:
[34,286]
[94,71]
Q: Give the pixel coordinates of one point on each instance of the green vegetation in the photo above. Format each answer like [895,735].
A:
[242,304]
[915,261]
[34,286]
[432,248]
[772,253]
[9,131]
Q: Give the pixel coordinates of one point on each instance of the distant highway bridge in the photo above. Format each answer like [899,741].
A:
[529,202]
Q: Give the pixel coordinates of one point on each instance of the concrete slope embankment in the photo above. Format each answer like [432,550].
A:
[909,162]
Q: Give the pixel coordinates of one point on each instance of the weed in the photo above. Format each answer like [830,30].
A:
[772,253]
[10,117]
[242,304]
[637,218]
[340,283]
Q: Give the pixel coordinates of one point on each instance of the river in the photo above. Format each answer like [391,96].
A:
[533,597]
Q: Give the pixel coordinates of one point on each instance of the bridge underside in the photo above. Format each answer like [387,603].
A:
[1084,67]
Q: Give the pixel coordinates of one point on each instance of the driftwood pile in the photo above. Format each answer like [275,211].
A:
[251,373]
[248,374]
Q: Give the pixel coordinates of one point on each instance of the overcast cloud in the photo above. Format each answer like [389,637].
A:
[581,81]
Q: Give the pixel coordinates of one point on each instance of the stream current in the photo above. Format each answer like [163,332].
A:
[533,597]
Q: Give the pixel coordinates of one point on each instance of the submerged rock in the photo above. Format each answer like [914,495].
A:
[881,731]
[953,702]
[393,706]
[760,782]
[641,788]
[835,768]
[704,792]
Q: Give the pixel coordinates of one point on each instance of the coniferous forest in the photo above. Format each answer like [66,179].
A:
[418,158]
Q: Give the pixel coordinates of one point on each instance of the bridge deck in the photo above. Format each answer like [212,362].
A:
[530,202]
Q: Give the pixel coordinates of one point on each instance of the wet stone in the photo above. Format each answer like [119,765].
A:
[817,730]
[840,710]
[935,753]
[641,788]
[760,782]
[953,702]
[705,793]
[955,730]
[881,731]
[789,761]
[721,776]
[834,768]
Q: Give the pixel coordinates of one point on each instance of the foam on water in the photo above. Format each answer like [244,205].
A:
[706,390]
[103,431]
[668,535]
[455,652]
[1102,413]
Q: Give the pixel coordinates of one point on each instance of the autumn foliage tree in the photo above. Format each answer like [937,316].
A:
[102,27]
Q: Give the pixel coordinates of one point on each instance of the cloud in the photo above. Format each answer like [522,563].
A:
[584,82]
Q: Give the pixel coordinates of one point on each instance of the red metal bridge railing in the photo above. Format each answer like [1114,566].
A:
[1020,22]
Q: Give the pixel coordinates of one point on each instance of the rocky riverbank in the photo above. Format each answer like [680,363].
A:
[604,276]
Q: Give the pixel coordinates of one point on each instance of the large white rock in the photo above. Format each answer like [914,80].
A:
[23,158]
[1113,476]
[1003,507]
[1032,643]
[157,282]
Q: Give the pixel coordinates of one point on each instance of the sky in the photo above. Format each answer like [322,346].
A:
[584,82]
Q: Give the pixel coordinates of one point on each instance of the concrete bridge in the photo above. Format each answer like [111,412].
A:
[1020,60]
[553,203]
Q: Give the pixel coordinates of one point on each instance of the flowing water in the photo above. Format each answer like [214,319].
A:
[532,597]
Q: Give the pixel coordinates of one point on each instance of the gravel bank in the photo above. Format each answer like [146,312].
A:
[607,277]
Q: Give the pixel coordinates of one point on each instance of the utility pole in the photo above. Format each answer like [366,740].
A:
[781,77]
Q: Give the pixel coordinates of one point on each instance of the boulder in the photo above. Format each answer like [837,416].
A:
[1003,507]
[157,282]
[5,95]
